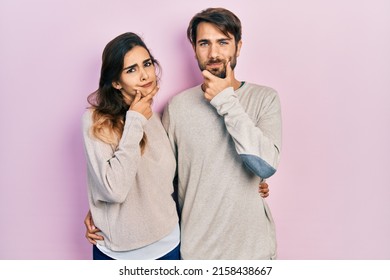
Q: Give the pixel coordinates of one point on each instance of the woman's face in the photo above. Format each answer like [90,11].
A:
[138,74]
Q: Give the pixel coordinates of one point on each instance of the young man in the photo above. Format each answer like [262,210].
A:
[226,134]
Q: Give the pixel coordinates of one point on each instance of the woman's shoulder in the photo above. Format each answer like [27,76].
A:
[157,115]
[154,123]
[87,117]
[87,113]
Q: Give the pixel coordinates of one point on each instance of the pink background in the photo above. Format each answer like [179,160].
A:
[329,61]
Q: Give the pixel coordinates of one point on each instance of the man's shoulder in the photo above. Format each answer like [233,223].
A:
[185,95]
[180,102]
[261,89]
[259,93]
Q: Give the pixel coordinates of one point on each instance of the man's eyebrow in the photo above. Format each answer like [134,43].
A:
[203,41]
[218,40]
[224,39]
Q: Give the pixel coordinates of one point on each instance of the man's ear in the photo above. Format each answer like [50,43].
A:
[239,44]
[116,85]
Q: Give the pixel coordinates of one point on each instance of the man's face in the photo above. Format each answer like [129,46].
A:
[213,49]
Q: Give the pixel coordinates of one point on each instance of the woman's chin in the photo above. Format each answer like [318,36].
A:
[149,90]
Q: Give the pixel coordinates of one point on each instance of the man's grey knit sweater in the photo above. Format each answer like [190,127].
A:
[224,148]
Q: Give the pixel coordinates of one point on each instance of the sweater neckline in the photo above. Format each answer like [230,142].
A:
[241,85]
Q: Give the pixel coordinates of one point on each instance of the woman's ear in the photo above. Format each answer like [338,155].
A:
[116,85]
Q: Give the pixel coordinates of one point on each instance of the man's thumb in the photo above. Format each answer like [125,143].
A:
[229,70]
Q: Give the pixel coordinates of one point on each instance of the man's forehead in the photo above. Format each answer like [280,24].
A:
[209,31]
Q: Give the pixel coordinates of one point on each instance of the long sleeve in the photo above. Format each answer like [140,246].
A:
[256,141]
[112,173]
[168,126]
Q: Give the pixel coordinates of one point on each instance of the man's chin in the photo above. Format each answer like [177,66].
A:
[220,74]
[217,72]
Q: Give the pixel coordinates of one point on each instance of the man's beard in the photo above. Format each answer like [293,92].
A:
[221,73]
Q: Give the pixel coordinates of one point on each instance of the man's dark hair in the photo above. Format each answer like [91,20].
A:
[223,19]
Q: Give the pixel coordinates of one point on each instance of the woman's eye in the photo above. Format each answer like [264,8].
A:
[147,64]
[130,70]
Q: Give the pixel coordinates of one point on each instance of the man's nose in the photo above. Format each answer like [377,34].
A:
[214,51]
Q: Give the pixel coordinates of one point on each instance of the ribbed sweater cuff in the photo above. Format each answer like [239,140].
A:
[222,97]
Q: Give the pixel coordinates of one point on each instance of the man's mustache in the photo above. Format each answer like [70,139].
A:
[212,61]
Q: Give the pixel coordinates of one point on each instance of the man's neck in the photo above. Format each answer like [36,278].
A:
[236,85]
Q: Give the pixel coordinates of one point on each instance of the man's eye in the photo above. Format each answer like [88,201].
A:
[223,43]
[203,44]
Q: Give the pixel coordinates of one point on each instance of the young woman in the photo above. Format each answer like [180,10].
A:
[130,163]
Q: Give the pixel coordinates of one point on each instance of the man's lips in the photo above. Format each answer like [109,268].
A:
[214,64]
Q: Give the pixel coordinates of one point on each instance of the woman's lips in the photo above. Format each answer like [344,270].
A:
[147,85]
[148,88]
